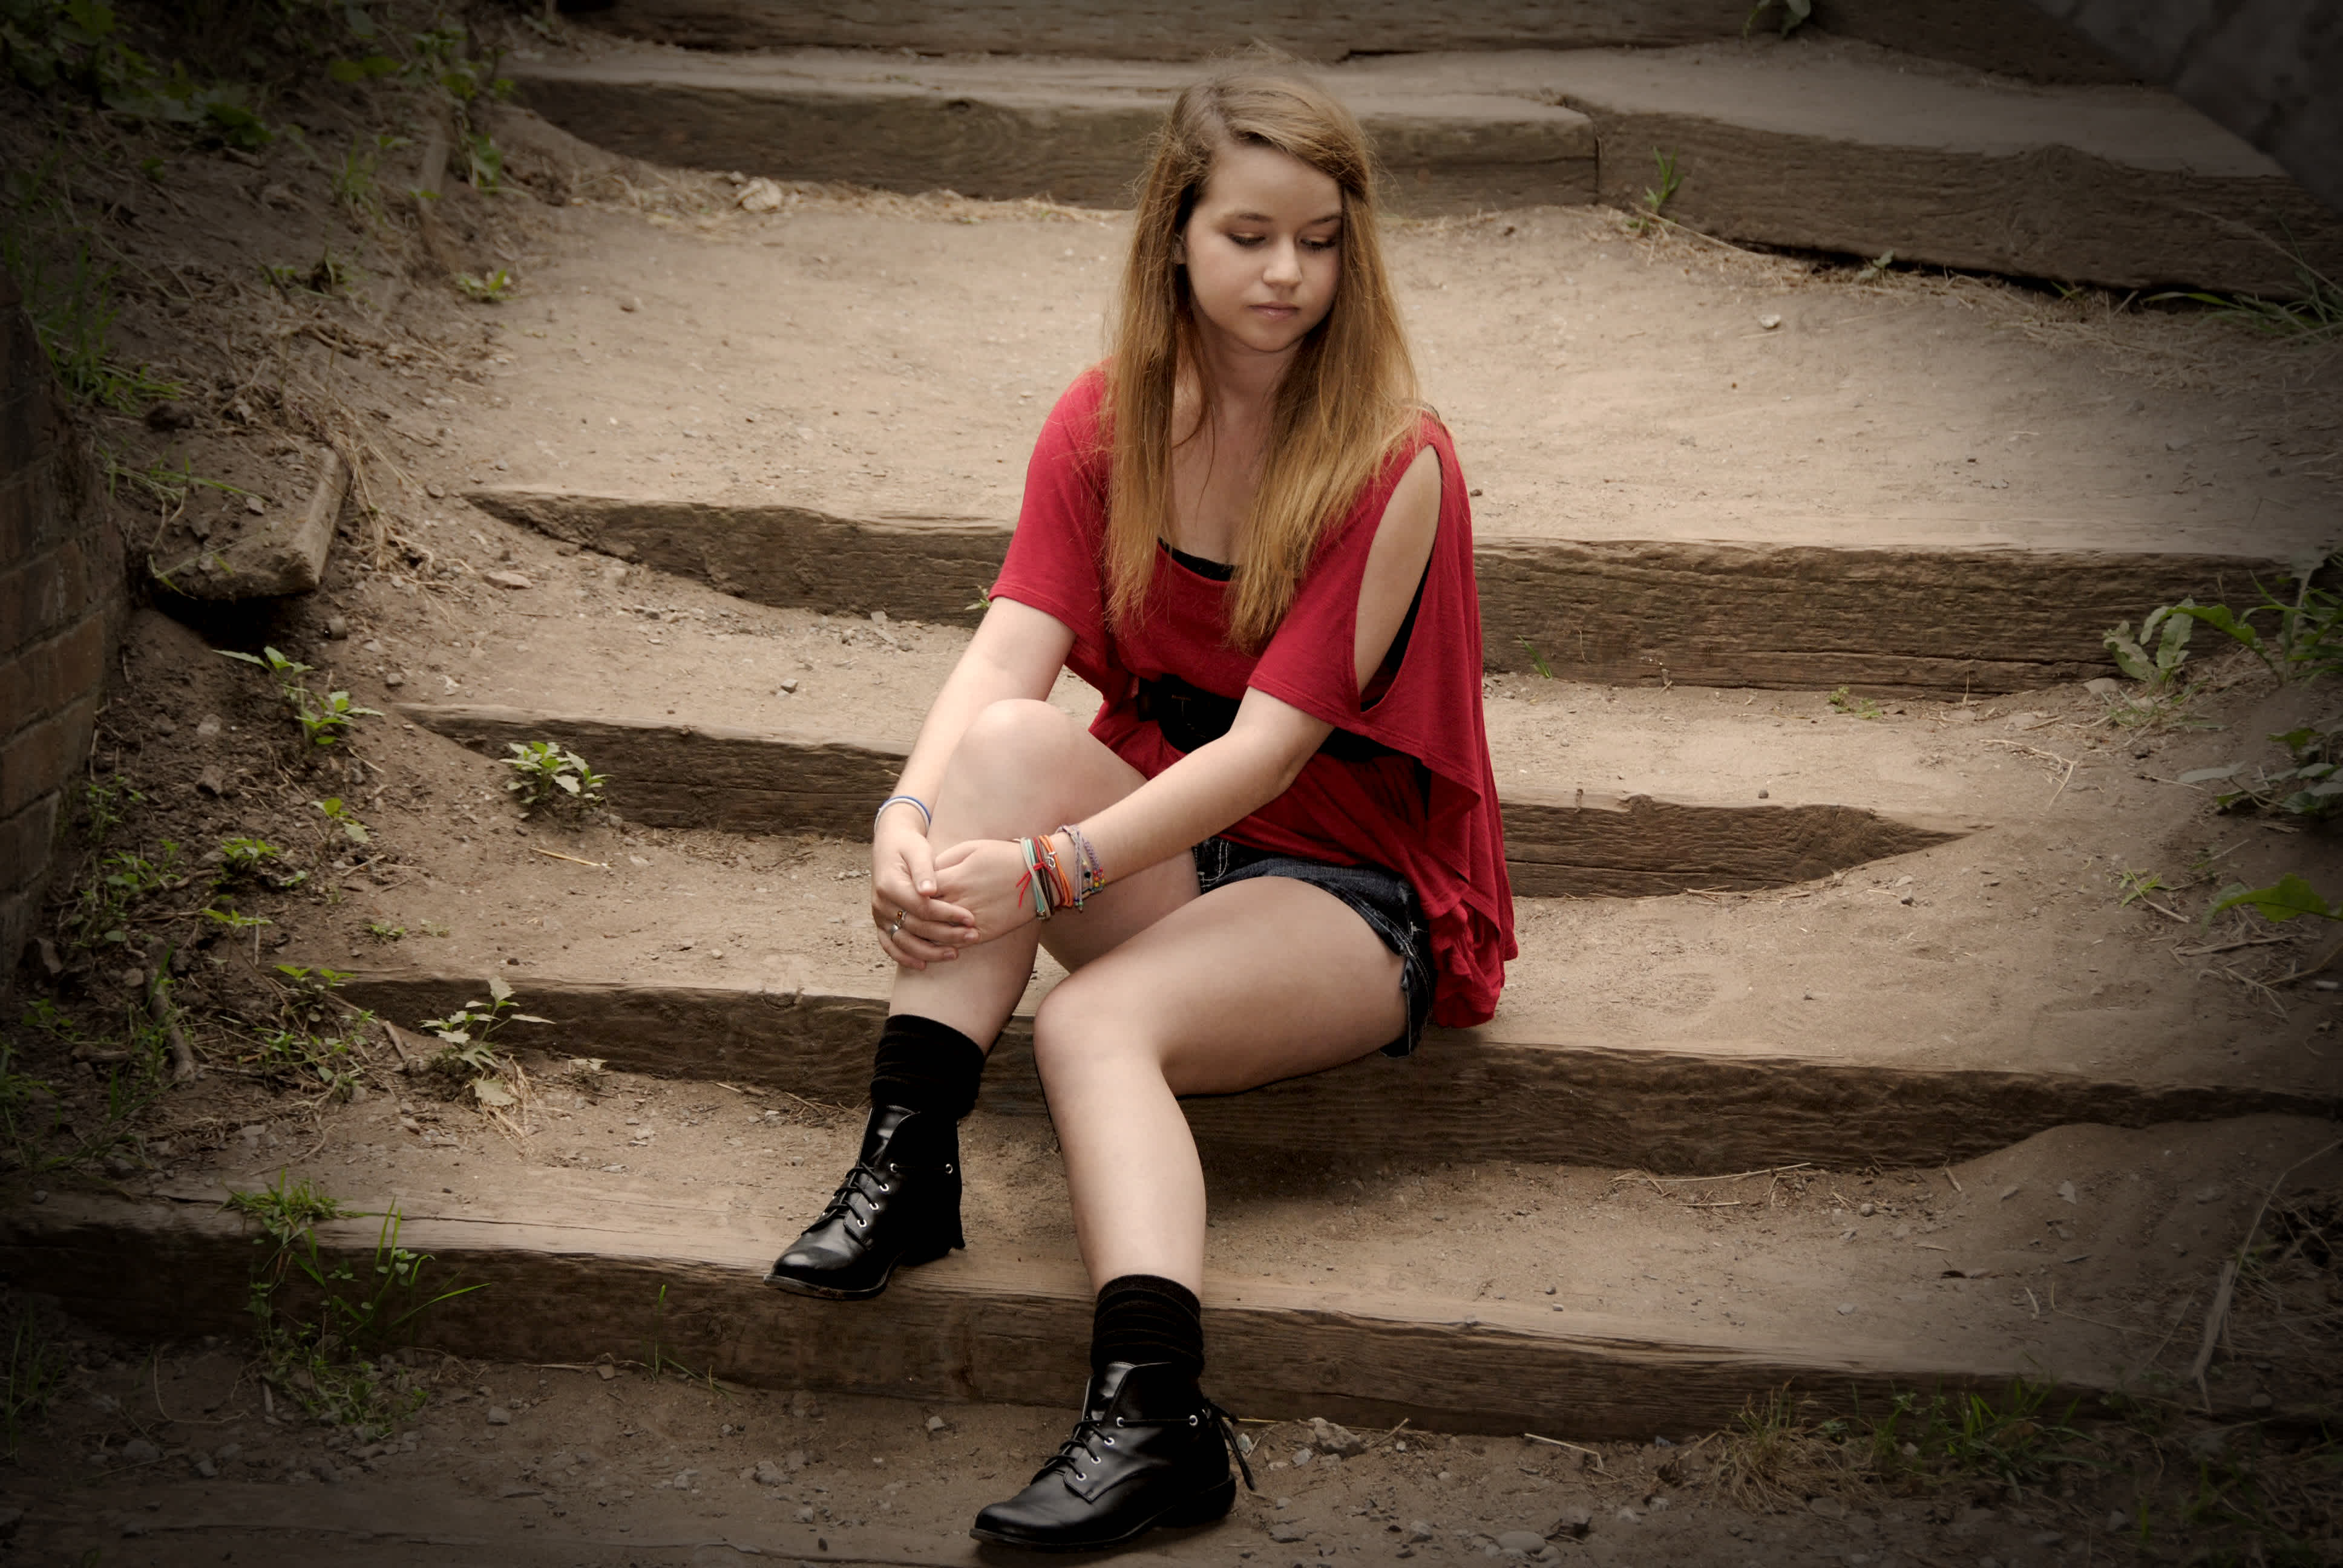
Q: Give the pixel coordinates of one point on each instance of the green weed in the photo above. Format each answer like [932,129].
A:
[315,1041]
[335,1365]
[2315,314]
[1877,267]
[1650,211]
[1537,661]
[2309,788]
[384,931]
[329,275]
[72,310]
[1795,14]
[1844,701]
[488,289]
[2133,885]
[2154,657]
[2285,900]
[35,1371]
[103,907]
[545,774]
[1773,1457]
[323,719]
[467,1038]
[356,189]
[345,818]
[105,802]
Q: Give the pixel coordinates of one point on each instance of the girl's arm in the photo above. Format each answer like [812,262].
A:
[1227,780]
[1017,651]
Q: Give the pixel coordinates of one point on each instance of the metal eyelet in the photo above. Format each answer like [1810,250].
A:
[1080,1476]
[1120,1421]
[1192,1421]
[1109,1443]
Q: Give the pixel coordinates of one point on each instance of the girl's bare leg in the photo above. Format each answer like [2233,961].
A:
[1252,983]
[1022,769]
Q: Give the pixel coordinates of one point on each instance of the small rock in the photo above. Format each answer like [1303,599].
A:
[2104,686]
[500,1416]
[2066,1191]
[255,506]
[505,579]
[760,195]
[1846,1309]
[630,304]
[1828,1507]
[40,1196]
[327,1473]
[804,1405]
[435,492]
[337,626]
[1283,1531]
[1866,1210]
[1573,1523]
[139,1451]
[1769,321]
[805,1514]
[1525,1541]
[1332,1438]
[208,728]
[394,679]
[1419,1531]
[768,1474]
[1764,795]
[789,685]
[1629,1516]
[209,782]
[2207,1195]
[2258,1402]
[169,416]
[938,1423]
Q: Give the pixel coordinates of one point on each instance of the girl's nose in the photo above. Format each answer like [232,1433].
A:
[1284,265]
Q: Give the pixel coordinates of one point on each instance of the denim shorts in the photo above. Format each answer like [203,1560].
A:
[1385,899]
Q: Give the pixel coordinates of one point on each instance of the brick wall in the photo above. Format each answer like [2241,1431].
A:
[62,602]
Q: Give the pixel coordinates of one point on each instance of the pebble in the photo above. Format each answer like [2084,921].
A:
[337,626]
[1419,1531]
[206,1469]
[327,1473]
[1846,1309]
[938,1423]
[805,1515]
[2258,1402]
[789,685]
[500,1416]
[1574,1523]
[394,679]
[1526,1542]
[1283,1531]
[139,1451]
[768,1474]
[1334,1439]
[2207,1195]
[1866,1210]
[208,728]
[505,579]
[1769,321]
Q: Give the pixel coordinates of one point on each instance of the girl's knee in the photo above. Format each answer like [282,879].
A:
[1076,1031]
[1016,732]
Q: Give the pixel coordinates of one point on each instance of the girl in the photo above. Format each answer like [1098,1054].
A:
[1275,849]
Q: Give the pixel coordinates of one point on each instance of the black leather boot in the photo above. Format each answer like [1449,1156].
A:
[899,1205]
[1149,1448]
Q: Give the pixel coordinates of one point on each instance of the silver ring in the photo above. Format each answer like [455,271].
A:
[898,926]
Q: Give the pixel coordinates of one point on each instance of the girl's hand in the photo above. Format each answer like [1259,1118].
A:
[916,929]
[980,876]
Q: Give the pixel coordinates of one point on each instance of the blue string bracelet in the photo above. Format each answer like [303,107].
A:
[926,816]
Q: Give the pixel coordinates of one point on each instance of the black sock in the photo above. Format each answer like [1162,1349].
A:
[1140,1318]
[924,1065]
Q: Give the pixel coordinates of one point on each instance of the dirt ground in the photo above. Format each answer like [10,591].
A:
[871,354]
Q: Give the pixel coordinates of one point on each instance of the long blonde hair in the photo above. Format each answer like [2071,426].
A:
[1348,397]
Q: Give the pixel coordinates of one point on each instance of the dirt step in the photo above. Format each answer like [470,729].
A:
[1922,619]
[1486,1294]
[1833,146]
[1560,842]
[2007,36]
[1571,1094]
[1073,129]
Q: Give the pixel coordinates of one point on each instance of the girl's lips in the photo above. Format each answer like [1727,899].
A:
[1280,311]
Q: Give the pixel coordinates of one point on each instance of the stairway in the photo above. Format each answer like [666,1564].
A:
[1830,1058]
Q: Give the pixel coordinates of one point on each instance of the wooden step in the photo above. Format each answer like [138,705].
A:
[1560,842]
[570,1277]
[1570,1094]
[1075,131]
[1840,147]
[2006,37]
[1918,617]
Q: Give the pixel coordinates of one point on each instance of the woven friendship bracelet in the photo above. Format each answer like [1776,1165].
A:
[1090,875]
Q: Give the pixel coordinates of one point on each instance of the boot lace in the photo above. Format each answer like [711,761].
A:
[1094,1434]
[863,1181]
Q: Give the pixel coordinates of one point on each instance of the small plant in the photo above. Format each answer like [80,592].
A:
[1537,660]
[35,1368]
[1795,14]
[335,1366]
[2311,788]
[325,719]
[316,1040]
[239,923]
[345,818]
[2133,885]
[105,803]
[1877,267]
[2289,897]
[73,309]
[356,187]
[545,774]
[384,931]
[468,1035]
[102,908]
[1844,701]
[247,857]
[484,163]
[983,601]
[487,290]
[2315,314]
[2154,657]
[1649,212]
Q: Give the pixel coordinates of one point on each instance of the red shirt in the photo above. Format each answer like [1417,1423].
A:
[1429,813]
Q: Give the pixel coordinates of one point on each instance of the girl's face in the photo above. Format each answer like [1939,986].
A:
[1262,249]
